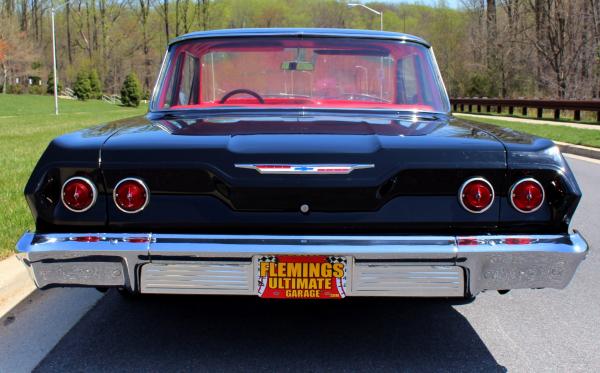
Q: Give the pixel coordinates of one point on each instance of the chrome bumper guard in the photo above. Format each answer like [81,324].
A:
[421,266]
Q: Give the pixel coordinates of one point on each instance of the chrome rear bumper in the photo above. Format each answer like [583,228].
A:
[426,266]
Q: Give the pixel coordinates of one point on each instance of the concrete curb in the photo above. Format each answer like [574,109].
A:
[15,284]
[582,151]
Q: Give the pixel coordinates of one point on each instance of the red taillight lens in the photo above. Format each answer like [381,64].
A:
[517,241]
[137,239]
[78,194]
[131,195]
[476,195]
[527,195]
[85,239]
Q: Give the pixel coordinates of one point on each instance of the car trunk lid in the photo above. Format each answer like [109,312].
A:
[222,156]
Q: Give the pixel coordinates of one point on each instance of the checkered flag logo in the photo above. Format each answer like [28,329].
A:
[336,259]
[339,282]
[262,281]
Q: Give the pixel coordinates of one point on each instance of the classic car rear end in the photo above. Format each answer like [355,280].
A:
[296,163]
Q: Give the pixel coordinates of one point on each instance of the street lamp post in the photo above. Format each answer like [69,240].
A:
[53,10]
[379,13]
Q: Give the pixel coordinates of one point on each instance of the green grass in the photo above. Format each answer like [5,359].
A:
[568,116]
[578,136]
[27,124]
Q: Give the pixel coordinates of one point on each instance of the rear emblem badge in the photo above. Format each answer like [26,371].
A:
[317,169]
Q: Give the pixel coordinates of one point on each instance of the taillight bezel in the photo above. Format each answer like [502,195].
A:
[515,185]
[467,182]
[88,182]
[146,190]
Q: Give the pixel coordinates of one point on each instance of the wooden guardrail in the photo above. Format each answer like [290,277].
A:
[497,104]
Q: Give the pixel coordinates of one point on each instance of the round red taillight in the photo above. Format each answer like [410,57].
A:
[476,195]
[527,195]
[78,194]
[131,195]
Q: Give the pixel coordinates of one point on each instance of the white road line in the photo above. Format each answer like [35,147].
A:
[591,160]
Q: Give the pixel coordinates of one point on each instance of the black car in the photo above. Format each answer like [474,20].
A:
[302,163]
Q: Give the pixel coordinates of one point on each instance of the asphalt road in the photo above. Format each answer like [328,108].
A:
[525,330]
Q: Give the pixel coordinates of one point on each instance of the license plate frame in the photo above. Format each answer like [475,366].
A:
[302,276]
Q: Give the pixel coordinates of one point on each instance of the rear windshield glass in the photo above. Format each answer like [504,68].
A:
[300,72]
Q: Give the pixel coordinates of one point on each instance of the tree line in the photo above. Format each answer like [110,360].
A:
[492,48]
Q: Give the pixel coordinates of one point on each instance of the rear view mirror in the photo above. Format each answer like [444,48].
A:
[297,66]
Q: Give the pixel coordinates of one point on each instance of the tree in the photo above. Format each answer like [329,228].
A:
[95,85]
[560,44]
[478,85]
[18,53]
[202,13]
[491,44]
[131,93]
[3,53]
[511,48]
[163,10]
[144,15]
[50,85]
[82,87]
[69,44]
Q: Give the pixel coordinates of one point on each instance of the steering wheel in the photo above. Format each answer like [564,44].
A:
[239,91]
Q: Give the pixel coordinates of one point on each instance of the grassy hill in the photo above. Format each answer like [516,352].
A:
[27,124]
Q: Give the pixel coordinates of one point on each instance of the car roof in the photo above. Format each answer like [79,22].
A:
[311,32]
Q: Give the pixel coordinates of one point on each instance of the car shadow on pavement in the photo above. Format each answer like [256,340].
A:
[206,333]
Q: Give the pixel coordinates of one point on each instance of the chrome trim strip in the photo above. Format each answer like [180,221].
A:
[490,262]
[440,80]
[145,189]
[512,189]
[462,188]
[304,169]
[161,74]
[360,247]
[88,182]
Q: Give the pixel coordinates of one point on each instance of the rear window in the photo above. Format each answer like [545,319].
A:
[296,72]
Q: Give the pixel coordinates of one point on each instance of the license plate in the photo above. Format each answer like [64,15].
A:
[302,276]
